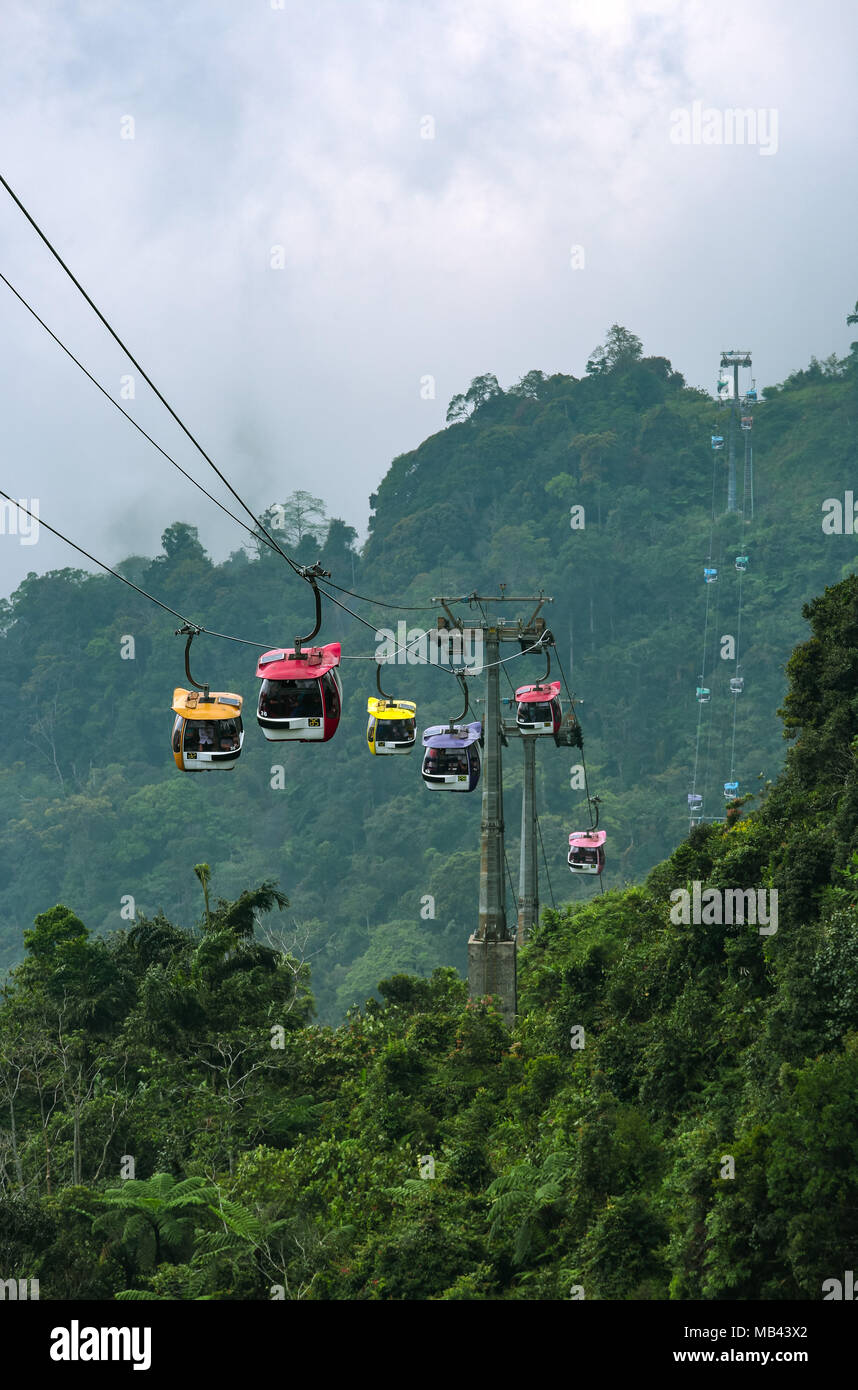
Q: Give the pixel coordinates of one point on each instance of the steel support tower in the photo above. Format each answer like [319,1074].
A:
[733,359]
[492,947]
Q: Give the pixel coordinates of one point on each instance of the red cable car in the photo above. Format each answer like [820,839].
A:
[301,697]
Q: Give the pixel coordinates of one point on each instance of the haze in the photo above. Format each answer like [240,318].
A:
[403,257]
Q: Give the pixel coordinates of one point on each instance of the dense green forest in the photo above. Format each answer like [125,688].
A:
[675,1115]
[93,813]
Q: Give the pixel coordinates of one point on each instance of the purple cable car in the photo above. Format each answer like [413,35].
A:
[451,762]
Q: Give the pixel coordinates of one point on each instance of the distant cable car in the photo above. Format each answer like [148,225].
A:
[207,731]
[751,393]
[451,762]
[586,851]
[717,441]
[301,696]
[741,563]
[747,422]
[704,695]
[710,574]
[538,708]
[737,685]
[731,790]
[695,801]
[392,725]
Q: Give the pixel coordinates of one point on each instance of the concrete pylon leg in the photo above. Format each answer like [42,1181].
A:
[492,970]
[528,878]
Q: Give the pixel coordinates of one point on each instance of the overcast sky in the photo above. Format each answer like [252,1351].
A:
[303,127]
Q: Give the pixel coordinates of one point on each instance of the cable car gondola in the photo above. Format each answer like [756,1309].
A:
[751,393]
[717,441]
[301,696]
[710,574]
[392,726]
[747,422]
[741,563]
[538,706]
[704,695]
[731,790]
[695,802]
[737,685]
[207,731]
[586,852]
[451,762]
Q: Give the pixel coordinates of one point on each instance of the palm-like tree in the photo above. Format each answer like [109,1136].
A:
[154,1219]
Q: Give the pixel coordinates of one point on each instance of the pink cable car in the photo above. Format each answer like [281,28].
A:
[538,708]
[586,852]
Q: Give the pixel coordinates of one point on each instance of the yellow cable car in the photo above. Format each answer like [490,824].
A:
[392,724]
[207,730]
[391,727]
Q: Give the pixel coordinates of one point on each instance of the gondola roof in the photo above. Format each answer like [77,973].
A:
[281,664]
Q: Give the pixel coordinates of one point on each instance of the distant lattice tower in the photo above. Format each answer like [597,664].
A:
[735,359]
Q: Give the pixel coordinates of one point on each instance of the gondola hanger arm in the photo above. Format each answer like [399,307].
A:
[383,693]
[190,630]
[461,679]
[311,573]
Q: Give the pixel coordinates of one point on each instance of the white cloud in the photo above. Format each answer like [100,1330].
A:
[301,127]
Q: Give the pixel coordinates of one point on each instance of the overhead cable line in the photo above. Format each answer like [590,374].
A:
[711,713]
[509,876]
[703,657]
[263,646]
[259,526]
[545,862]
[197,445]
[130,418]
[382,603]
[136,587]
[255,533]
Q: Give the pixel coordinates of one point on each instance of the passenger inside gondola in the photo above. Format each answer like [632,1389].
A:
[396,730]
[581,854]
[534,713]
[228,739]
[448,762]
[299,699]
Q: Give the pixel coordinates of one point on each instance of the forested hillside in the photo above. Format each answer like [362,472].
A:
[674,1116]
[94,815]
